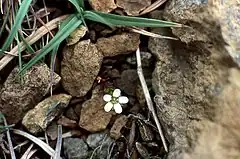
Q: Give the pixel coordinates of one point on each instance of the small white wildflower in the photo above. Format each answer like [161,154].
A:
[114,101]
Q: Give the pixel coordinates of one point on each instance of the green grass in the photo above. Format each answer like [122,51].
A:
[71,23]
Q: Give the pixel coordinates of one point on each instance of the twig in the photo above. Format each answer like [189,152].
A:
[59,143]
[10,145]
[32,39]
[37,141]
[153,6]
[25,155]
[148,98]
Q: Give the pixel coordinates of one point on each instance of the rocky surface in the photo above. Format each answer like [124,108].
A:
[80,66]
[75,148]
[103,5]
[93,118]
[118,44]
[133,7]
[17,98]
[191,79]
[37,119]
[100,142]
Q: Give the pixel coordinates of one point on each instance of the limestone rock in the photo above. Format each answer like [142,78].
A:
[37,119]
[80,66]
[133,7]
[118,44]
[190,81]
[93,116]
[17,98]
[103,5]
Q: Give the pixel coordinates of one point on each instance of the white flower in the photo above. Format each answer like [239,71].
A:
[114,101]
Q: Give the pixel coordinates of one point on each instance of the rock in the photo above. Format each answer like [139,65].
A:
[142,150]
[76,35]
[75,148]
[16,98]
[133,7]
[101,140]
[146,59]
[190,81]
[37,119]
[93,117]
[119,123]
[80,66]
[118,44]
[103,5]
[128,81]
[145,131]
[67,122]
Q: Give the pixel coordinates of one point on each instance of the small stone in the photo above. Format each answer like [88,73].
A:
[145,131]
[118,44]
[103,5]
[75,148]
[142,150]
[17,98]
[128,81]
[93,117]
[37,119]
[119,123]
[67,122]
[133,7]
[80,66]
[101,139]
[76,35]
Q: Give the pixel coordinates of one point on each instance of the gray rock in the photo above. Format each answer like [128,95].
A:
[119,123]
[101,143]
[118,44]
[16,98]
[190,81]
[75,148]
[128,81]
[37,119]
[93,117]
[80,66]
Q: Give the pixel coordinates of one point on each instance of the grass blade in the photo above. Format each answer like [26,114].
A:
[113,19]
[77,5]
[18,21]
[70,25]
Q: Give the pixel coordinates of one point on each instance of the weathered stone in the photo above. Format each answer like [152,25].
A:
[140,96]
[133,7]
[118,44]
[37,119]
[101,139]
[93,117]
[17,98]
[190,81]
[80,66]
[128,82]
[119,123]
[146,59]
[103,5]
[76,35]
[75,148]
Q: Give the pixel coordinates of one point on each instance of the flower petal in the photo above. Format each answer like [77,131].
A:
[116,93]
[118,108]
[123,100]
[107,97]
[108,106]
